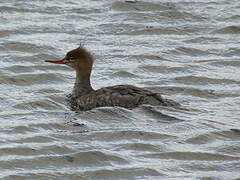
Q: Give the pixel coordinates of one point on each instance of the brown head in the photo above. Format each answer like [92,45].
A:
[79,59]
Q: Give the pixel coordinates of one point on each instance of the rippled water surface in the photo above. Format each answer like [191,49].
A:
[186,50]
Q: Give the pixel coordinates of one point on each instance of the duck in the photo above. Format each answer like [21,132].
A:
[84,97]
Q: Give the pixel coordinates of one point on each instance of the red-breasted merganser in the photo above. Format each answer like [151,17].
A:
[84,97]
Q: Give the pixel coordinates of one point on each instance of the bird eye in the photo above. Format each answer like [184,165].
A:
[70,58]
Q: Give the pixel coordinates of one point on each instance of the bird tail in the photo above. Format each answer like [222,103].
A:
[156,99]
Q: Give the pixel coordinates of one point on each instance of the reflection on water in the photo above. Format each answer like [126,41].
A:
[186,50]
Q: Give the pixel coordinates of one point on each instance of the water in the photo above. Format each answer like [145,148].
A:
[186,50]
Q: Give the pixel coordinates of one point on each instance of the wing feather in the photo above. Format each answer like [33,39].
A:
[122,95]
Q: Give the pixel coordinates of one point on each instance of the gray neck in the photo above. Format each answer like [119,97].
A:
[82,85]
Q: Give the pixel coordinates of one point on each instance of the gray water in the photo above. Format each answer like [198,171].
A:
[186,50]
